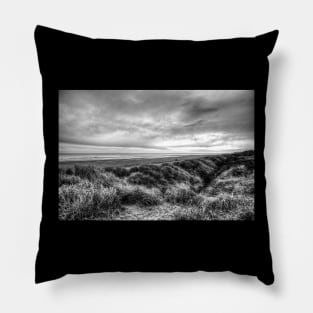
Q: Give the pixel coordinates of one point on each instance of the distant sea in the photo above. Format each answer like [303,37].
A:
[115,156]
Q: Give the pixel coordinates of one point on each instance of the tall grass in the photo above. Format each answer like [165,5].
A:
[223,207]
[85,201]
[141,196]
[210,188]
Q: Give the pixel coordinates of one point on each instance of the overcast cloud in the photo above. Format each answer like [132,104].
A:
[155,121]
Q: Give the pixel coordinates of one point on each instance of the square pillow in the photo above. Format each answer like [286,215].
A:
[154,155]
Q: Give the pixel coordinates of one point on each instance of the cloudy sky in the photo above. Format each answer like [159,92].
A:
[155,121]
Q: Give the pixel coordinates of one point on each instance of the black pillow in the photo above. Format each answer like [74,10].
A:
[154,155]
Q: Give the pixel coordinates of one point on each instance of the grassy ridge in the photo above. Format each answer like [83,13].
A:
[209,188]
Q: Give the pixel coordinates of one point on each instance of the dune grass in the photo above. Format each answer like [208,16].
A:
[210,188]
[87,201]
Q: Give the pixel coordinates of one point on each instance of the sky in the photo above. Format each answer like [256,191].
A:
[155,121]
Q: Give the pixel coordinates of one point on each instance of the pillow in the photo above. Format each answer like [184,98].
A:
[154,155]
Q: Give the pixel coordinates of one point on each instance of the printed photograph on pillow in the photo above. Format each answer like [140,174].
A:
[157,141]
[156,155]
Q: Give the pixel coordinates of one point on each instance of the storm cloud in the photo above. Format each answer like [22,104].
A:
[155,121]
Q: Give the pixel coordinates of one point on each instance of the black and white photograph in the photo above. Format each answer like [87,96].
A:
[156,155]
